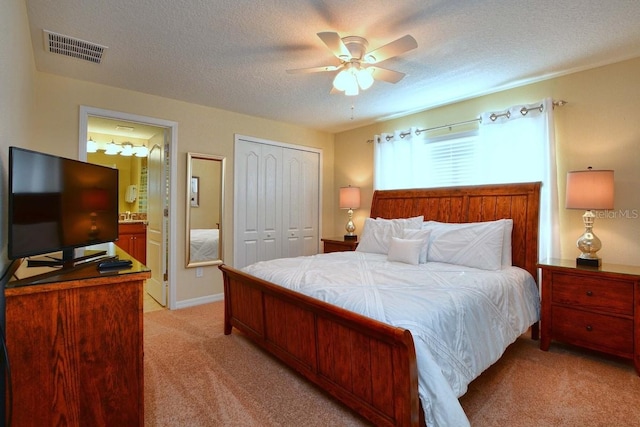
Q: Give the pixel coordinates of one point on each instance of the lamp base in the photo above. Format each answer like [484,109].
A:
[350,237]
[588,262]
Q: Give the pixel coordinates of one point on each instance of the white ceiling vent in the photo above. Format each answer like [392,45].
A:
[76,48]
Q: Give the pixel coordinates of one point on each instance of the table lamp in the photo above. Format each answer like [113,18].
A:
[589,189]
[350,199]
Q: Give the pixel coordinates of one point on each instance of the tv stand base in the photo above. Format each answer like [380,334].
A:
[63,262]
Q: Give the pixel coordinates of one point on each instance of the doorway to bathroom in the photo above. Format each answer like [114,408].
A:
[147,197]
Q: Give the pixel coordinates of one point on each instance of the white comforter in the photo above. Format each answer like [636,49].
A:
[461,318]
[204,244]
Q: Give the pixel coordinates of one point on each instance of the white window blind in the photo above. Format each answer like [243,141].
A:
[451,161]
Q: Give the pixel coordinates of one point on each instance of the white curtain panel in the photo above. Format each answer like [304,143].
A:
[521,148]
[399,160]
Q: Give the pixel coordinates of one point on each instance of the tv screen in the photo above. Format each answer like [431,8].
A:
[58,204]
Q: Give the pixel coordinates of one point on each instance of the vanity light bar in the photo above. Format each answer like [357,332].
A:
[112,148]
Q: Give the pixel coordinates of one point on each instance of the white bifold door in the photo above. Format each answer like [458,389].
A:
[276,201]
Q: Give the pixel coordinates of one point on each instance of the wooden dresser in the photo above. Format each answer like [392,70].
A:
[596,308]
[75,343]
[338,244]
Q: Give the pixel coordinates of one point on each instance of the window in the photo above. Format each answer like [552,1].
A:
[517,145]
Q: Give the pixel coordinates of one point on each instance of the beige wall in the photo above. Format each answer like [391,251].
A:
[200,129]
[16,96]
[599,127]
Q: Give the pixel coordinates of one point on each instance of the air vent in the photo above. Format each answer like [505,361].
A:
[76,48]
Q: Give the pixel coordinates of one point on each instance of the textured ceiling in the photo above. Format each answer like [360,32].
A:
[232,54]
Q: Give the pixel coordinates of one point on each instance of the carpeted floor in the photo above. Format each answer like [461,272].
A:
[197,376]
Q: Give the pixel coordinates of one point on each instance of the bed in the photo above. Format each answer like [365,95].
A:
[204,244]
[369,365]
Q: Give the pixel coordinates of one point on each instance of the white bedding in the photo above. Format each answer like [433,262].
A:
[204,244]
[461,318]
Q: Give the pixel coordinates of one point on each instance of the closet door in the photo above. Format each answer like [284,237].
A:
[276,202]
[247,160]
[270,232]
[300,202]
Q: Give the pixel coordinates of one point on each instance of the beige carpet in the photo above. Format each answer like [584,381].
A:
[197,376]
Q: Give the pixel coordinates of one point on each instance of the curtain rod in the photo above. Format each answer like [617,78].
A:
[493,117]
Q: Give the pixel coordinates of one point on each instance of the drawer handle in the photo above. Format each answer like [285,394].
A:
[589,328]
[589,293]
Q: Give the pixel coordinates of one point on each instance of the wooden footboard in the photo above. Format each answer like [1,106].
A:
[367,365]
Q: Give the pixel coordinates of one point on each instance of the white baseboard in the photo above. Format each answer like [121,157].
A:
[199,301]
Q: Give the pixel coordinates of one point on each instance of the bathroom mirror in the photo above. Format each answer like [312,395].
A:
[205,196]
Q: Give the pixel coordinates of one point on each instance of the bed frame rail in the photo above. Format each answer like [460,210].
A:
[367,365]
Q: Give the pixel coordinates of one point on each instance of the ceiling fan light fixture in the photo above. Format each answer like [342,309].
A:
[352,90]
[344,79]
[365,78]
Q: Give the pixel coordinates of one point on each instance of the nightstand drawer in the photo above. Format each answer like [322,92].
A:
[338,244]
[611,296]
[596,331]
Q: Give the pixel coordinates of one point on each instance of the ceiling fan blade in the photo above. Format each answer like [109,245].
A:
[385,75]
[335,45]
[395,48]
[313,69]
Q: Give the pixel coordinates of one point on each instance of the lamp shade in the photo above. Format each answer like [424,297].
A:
[349,197]
[589,189]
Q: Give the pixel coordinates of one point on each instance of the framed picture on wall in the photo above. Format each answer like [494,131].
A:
[195,198]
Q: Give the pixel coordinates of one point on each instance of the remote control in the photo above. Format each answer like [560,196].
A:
[114,264]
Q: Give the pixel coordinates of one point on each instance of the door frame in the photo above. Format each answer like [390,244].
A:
[85,112]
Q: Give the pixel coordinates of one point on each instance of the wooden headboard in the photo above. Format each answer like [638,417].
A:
[520,202]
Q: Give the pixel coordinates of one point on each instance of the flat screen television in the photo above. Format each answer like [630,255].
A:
[58,205]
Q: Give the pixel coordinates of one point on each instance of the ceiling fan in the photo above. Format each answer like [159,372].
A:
[357,69]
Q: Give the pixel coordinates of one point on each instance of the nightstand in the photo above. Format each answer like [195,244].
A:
[338,244]
[595,308]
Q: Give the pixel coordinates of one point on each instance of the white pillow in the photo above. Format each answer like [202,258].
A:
[377,233]
[422,235]
[507,225]
[476,245]
[405,250]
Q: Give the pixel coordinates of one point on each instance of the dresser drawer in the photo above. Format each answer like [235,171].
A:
[611,296]
[597,331]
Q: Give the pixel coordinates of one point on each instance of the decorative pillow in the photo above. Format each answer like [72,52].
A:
[405,250]
[422,235]
[476,245]
[507,225]
[377,233]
